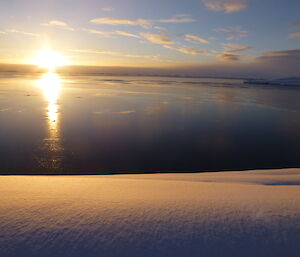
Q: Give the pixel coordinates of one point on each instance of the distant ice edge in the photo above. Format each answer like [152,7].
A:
[295,81]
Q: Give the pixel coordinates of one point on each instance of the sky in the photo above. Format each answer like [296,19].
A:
[206,35]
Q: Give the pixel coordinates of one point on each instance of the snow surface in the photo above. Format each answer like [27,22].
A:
[250,213]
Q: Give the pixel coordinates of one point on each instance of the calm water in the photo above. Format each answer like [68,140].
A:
[97,124]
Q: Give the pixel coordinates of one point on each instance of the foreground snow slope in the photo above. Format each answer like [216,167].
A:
[254,213]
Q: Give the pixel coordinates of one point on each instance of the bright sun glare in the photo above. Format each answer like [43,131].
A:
[49,59]
[51,85]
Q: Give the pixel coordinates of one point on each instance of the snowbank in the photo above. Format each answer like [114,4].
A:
[254,213]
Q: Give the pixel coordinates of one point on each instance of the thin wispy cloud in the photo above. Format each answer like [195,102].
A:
[295,24]
[179,18]
[227,6]
[107,9]
[109,34]
[98,32]
[294,35]
[229,57]
[184,50]
[284,53]
[285,59]
[126,34]
[56,23]
[234,48]
[59,24]
[120,21]
[117,54]
[161,37]
[233,33]
[21,32]
[231,52]
[90,51]
[196,38]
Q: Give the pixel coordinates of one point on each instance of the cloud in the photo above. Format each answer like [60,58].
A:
[233,33]
[285,53]
[229,57]
[60,24]
[294,35]
[126,34]
[184,50]
[281,62]
[3,32]
[188,50]
[98,32]
[90,51]
[179,18]
[285,59]
[295,24]
[272,64]
[113,53]
[22,32]
[111,33]
[233,48]
[227,6]
[158,38]
[196,38]
[120,21]
[107,9]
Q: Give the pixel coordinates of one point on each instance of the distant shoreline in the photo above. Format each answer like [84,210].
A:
[126,75]
[58,173]
[110,71]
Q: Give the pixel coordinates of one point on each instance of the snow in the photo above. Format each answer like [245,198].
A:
[249,213]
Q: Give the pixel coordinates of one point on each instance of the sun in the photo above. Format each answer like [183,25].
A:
[49,59]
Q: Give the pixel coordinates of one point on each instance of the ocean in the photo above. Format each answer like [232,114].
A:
[88,124]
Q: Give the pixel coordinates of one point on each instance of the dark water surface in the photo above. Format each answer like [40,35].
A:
[97,124]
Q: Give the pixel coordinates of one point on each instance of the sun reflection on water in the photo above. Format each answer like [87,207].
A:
[50,84]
